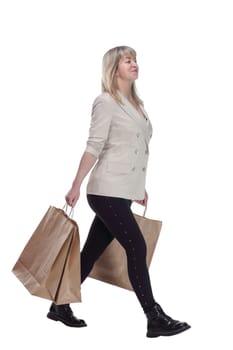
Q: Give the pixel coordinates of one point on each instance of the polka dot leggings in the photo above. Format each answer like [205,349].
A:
[114,219]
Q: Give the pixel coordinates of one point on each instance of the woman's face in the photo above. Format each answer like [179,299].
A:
[127,68]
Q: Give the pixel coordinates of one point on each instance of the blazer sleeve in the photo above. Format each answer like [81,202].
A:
[99,128]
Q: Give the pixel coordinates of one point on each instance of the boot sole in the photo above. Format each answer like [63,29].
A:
[154,334]
[55,317]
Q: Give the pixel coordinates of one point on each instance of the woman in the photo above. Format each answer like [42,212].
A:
[118,141]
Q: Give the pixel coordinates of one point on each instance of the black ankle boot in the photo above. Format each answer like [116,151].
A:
[64,314]
[161,324]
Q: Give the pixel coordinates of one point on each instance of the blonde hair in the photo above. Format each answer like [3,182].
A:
[109,67]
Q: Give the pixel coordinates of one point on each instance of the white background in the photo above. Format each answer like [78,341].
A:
[51,55]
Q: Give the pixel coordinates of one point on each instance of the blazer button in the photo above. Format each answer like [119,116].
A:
[144,169]
[146,152]
[133,169]
[138,134]
[136,151]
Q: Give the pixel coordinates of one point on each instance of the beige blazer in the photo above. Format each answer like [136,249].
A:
[119,137]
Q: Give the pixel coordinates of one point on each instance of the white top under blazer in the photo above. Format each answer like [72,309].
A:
[119,137]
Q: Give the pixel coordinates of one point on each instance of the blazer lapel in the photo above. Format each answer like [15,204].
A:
[145,125]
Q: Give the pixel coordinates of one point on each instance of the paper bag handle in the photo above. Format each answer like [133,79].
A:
[145,209]
[144,212]
[71,213]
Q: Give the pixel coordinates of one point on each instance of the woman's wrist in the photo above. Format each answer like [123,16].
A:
[76,184]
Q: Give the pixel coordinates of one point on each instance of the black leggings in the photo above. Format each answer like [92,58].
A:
[114,219]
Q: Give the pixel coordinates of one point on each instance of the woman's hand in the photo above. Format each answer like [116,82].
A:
[73,196]
[143,201]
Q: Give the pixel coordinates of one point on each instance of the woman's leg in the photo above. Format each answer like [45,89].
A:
[98,239]
[116,215]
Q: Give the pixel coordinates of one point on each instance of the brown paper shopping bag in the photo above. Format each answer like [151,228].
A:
[49,265]
[111,267]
